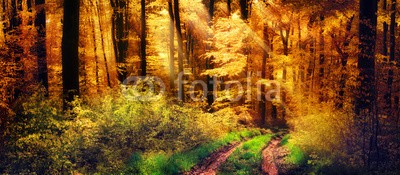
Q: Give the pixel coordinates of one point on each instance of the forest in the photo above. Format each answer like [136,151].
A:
[199,87]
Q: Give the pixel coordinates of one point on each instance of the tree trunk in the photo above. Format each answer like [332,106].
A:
[2,15]
[120,31]
[344,56]
[366,98]
[366,59]
[209,65]
[321,61]
[171,46]
[54,47]
[181,91]
[263,100]
[388,96]
[385,32]
[301,48]
[102,37]
[95,56]
[270,75]
[70,57]
[228,3]
[143,63]
[285,42]
[40,24]
[244,9]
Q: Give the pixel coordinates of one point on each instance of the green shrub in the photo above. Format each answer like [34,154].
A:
[111,127]
[33,141]
[102,132]
[328,137]
[296,155]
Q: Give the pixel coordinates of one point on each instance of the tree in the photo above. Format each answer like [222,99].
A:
[40,24]
[385,31]
[120,32]
[2,35]
[321,59]
[181,91]
[265,55]
[143,63]
[54,16]
[392,43]
[342,48]
[209,60]
[366,59]
[171,45]
[228,4]
[366,64]
[70,57]
[244,9]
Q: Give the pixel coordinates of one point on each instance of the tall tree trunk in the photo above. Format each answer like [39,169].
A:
[54,47]
[209,65]
[40,24]
[228,3]
[143,63]
[366,98]
[344,56]
[171,46]
[244,9]
[95,56]
[270,75]
[103,44]
[311,68]
[285,42]
[70,57]
[120,31]
[300,46]
[263,100]
[2,16]
[366,59]
[385,32]
[181,91]
[321,61]
[388,96]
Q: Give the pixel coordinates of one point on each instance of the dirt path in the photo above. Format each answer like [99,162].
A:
[269,163]
[210,165]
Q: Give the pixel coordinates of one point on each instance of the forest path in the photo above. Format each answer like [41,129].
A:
[272,155]
[210,165]
[269,165]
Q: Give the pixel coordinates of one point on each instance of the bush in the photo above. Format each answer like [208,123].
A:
[101,133]
[33,140]
[119,127]
[329,137]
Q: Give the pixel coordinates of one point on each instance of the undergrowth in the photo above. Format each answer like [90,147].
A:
[296,155]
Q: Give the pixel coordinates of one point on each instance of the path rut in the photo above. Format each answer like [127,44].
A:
[269,165]
[210,165]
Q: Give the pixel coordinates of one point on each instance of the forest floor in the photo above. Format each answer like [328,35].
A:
[210,165]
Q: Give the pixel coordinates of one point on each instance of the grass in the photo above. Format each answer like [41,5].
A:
[296,155]
[247,158]
[162,163]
